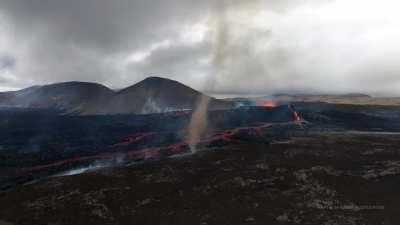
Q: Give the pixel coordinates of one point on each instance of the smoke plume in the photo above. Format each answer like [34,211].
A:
[223,46]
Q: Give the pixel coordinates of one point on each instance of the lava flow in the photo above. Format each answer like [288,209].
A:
[254,124]
[133,139]
[297,117]
[296,114]
[226,136]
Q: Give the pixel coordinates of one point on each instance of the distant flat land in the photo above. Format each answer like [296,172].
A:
[352,100]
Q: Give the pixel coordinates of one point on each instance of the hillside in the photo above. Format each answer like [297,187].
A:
[152,95]
[155,95]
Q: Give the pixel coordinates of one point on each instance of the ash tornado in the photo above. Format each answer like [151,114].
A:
[222,25]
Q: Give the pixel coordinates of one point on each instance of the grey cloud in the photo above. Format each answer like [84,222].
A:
[89,40]
[109,26]
[57,63]
[7,62]
[379,75]
[180,62]
[83,40]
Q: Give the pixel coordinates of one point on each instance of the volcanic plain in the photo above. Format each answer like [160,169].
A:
[331,164]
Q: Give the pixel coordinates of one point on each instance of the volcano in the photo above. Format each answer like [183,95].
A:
[152,95]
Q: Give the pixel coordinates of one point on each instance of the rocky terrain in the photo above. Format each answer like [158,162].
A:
[307,163]
[330,179]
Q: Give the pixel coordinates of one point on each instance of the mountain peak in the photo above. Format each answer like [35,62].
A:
[159,80]
[75,84]
[156,78]
[158,84]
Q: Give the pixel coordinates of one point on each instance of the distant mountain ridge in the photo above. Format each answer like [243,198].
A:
[151,95]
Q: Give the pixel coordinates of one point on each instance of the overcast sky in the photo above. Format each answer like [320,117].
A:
[240,46]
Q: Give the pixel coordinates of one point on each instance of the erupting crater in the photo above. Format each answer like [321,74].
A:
[269,104]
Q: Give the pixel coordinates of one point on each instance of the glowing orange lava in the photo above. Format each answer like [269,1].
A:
[269,104]
[297,116]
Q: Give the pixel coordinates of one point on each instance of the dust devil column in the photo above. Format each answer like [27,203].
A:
[221,24]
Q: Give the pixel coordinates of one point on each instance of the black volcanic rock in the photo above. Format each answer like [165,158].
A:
[152,95]
[307,179]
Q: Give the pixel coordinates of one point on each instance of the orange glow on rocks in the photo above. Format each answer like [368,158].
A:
[269,104]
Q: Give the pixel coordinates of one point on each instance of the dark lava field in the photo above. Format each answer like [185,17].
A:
[306,163]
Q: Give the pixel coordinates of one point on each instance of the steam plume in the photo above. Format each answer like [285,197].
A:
[221,57]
